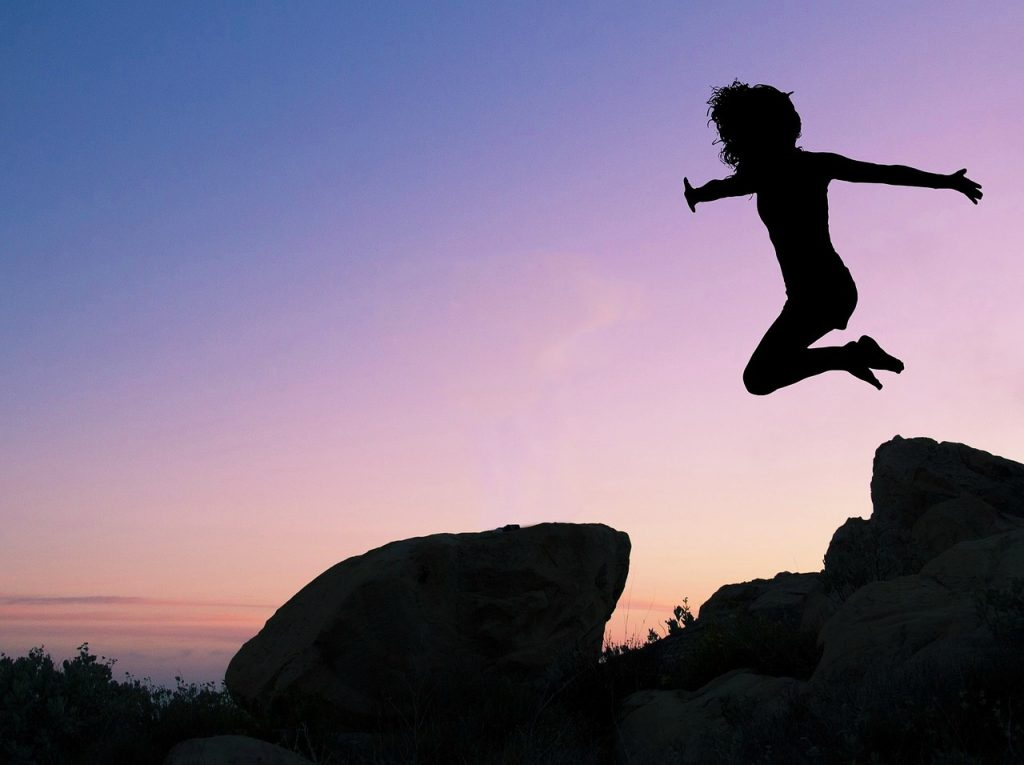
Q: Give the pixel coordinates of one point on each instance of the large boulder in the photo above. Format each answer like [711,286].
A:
[912,475]
[430,620]
[926,497]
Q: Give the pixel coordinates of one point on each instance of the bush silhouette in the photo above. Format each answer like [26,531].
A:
[77,713]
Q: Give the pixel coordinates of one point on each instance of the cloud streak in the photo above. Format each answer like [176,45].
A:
[119,600]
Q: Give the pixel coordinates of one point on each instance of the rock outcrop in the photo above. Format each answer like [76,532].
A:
[926,497]
[795,600]
[427,620]
[905,648]
[914,605]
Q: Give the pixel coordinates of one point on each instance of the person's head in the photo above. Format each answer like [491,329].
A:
[754,123]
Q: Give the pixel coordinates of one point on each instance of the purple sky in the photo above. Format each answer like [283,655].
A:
[284,284]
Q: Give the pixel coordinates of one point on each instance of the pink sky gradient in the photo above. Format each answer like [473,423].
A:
[450,293]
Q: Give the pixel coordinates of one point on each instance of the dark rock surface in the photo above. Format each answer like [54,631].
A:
[796,600]
[918,614]
[926,496]
[428,620]
[905,648]
[649,721]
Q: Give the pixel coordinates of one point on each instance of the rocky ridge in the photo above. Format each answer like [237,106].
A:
[921,597]
[908,646]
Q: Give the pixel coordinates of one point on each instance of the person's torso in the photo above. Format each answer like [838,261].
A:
[792,200]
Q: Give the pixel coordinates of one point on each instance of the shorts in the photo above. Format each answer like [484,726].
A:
[825,303]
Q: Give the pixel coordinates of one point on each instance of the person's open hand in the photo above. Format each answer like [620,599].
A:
[960,182]
[690,200]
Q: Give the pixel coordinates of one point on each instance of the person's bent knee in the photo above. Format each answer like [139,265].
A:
[756,382]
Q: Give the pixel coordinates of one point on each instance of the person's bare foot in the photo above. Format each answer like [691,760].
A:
[858,365]
[873,355]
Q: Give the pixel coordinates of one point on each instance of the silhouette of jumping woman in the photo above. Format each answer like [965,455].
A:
[758,128]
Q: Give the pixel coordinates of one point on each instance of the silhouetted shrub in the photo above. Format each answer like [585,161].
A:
[77,712]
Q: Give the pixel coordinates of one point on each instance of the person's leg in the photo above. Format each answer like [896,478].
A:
[783,358]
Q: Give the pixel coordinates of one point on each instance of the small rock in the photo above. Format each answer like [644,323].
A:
[698,727]
[231,750]
[795,600]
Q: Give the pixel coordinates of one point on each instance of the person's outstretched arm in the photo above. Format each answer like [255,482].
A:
[733,186]
[844,169]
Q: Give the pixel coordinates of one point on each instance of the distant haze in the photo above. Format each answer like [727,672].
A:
[283,283]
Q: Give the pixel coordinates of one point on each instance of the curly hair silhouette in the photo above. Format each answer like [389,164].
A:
[751,120]
[758,127]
